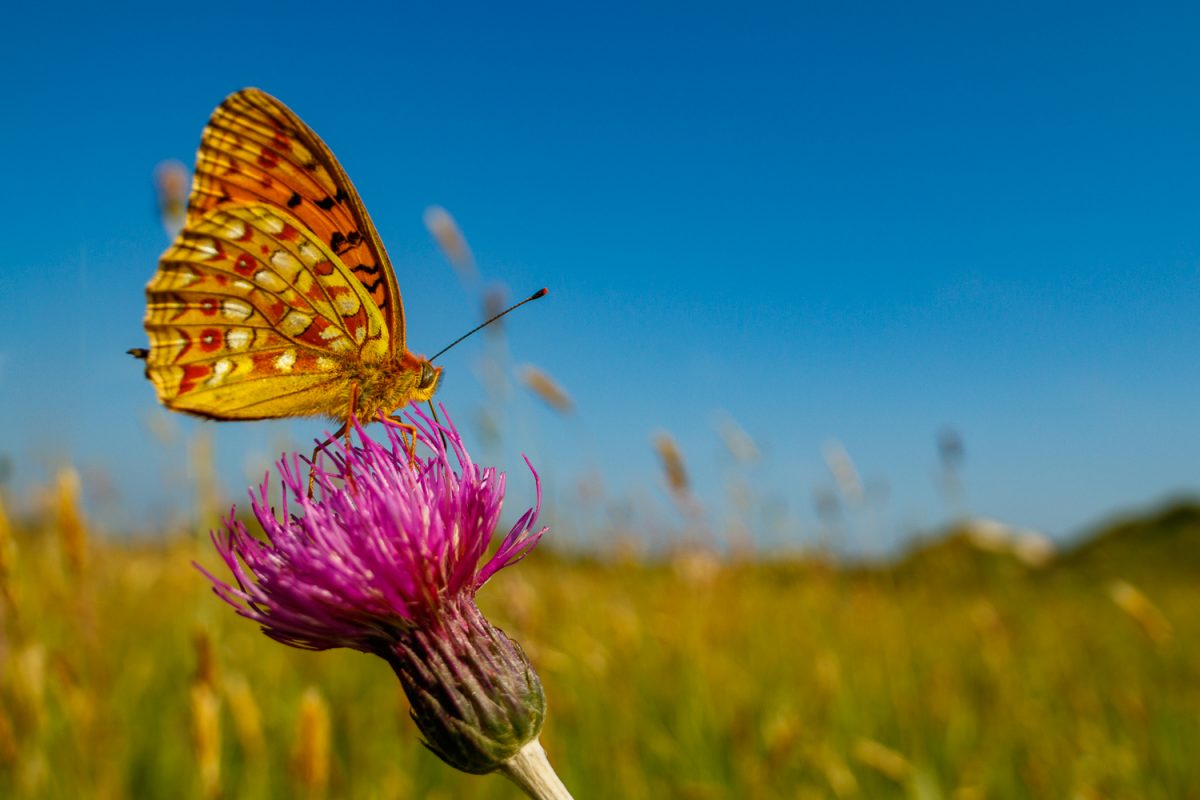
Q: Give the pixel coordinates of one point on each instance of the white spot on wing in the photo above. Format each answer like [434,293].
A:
[232,308]
[285,360]
[309,253]
[205,247]
[220,370]
[285,262]
[325,364]
[233,228]
[295,323]
[237,338]
[346,303]
[269,280]
[269,223]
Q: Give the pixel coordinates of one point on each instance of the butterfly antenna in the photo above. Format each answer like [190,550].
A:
[538,294]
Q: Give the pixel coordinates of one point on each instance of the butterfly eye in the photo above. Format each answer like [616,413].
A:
[428,376]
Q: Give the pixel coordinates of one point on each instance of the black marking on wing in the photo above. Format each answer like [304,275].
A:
[372,286]
[341,242]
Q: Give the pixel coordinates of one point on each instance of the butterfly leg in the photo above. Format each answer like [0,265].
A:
[411,430]
[343,430]
[312,467]
[351,414]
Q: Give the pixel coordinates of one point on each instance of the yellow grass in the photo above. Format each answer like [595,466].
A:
[968,675]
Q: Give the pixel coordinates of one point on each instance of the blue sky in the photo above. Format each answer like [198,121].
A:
[831,222]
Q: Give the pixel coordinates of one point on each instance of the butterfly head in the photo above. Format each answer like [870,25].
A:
[427,382]
[421,379]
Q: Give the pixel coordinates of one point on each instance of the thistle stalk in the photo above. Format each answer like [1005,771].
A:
[531,770]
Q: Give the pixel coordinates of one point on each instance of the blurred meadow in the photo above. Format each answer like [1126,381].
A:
[969,668]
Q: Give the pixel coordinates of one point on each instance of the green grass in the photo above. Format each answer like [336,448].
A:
[956,674]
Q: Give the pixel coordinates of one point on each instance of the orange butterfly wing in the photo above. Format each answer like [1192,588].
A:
[277,298]
[255,149]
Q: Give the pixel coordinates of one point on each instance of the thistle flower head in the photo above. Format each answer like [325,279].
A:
[386,558]
[388,541]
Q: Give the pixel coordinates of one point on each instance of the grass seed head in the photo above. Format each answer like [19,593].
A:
[247,720]
[549,390]
[311,755]
[672,462]
[882,759]
[1142,611]
[69,521]
[206,738]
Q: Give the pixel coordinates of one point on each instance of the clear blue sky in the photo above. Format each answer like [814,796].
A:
[835,221]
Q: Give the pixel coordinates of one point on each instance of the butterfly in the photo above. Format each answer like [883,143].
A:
[277,298]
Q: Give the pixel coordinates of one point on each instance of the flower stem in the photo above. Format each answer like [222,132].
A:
[530,770]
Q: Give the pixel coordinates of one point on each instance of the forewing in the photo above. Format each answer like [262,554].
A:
[250,316]
[255,149]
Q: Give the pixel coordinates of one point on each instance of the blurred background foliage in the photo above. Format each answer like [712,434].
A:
[964,669]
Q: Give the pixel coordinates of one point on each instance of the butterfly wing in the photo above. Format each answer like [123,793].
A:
[256,150]
[250,315]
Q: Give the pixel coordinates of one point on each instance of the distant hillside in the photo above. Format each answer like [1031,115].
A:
[1168,539]
[961,555]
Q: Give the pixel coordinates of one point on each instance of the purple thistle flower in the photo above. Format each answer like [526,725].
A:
[386,558]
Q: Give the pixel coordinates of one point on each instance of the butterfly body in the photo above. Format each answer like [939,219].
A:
[277,298]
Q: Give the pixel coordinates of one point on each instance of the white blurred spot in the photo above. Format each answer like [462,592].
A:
[839,463]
